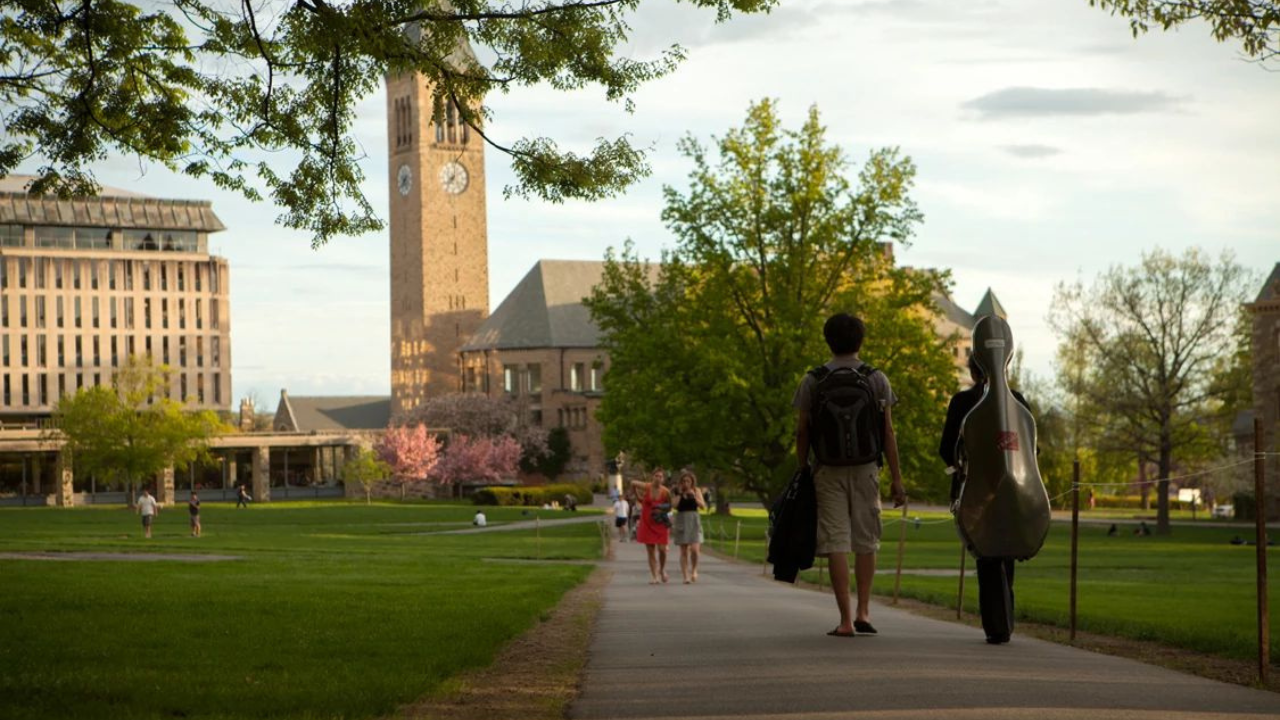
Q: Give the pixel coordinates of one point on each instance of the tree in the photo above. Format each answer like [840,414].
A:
[1255,23]
[1149,337]
[476,415]
[708,347]
[131,430]
[364,468]
[551,463]
[218,90]
[481,459]
[410,451]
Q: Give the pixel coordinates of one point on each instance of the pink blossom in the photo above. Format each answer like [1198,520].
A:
[482,459]
[412,452]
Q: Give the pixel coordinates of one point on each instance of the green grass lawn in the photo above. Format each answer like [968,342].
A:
[334,611]
[1192,589]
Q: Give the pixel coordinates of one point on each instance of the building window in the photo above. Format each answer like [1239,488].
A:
[533,378]
[79,352]
[95,312]
[4,272]
[22,311]
[182,278]
[44,389]
[509,379]
[217,389]
[164,276]
[26,390]
[41,270]
[112,306]
[128,313]
[199,352]
[213,314]
[48,236]
[146,313]
[182,313]
[164,349]
[128,275]
[10,236]
[62,386]
[22,349]
[200,388]
[577,374]
[4,311]
[182,353]
[111,274]
[62,354]
[146,276]
[97,352]
[75,275]
[93,274]
[42,355]
[215,352]
[58,312]
[597,379]
[76,305]
[115,352]
[40,306]
[22,272]
[4,340]
[438,116]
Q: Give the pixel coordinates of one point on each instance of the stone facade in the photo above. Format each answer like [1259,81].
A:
[1265,312]
[557,387]
[439,240]
[86,283]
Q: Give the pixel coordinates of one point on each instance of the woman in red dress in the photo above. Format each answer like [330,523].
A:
[655,522]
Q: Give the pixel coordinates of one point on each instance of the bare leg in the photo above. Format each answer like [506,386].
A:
[838,564]
[864,571]
[652,550]
[684,563]
[694,550]
[662,562]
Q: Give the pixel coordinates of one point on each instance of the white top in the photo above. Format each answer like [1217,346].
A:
[480,520]
[147,505]
[621,508]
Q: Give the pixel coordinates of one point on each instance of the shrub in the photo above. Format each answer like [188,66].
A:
[531,495]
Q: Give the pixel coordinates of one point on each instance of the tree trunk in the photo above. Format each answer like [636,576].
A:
[367,495]
[722,502]
[1144,490]
[1162,499]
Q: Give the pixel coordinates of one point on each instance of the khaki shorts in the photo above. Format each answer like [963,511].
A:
[848,509]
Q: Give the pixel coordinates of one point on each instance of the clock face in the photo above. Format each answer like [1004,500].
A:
[404,179]
[453,177]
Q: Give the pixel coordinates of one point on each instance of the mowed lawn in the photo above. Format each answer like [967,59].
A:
[332,611]
[1192,589]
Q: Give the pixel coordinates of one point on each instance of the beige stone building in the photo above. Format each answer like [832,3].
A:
[1265,312]
[439,240]
[87,282]
[541,347]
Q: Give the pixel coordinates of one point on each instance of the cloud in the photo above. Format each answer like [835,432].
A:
[1031,151]
[1076,102]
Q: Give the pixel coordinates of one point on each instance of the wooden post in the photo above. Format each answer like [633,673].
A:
[1075,539]
[960,595]
[737,536]
[1260,526]
[902,541]
[537,534]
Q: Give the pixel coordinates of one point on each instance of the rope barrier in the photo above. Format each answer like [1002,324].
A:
[1170,479]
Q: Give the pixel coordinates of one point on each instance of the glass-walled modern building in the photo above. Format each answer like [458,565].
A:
[87,282]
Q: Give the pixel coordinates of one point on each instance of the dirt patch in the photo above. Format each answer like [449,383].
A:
[115,557]
[533,678]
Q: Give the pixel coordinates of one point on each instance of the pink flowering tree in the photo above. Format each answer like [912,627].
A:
[480,459]
[410,451]
[480,416]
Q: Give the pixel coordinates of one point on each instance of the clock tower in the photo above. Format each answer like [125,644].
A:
[439,240]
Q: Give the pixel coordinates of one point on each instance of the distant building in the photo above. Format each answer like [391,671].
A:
[332,412]
[1265,312]
[542,347]
[87,282]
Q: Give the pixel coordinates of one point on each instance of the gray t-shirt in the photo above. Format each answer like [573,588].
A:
[803,400]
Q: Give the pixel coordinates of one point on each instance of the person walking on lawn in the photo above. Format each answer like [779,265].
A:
[148,508]
[844,430]
[193,508]
[655,522]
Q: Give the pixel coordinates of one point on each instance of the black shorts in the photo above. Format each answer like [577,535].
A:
[146,520]
[619,522]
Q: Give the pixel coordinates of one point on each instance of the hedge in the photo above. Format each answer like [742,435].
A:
[531,495]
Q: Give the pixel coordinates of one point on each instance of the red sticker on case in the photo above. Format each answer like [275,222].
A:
[1007,441]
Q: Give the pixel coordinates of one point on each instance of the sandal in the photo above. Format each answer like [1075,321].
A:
[864,628]
[840,633]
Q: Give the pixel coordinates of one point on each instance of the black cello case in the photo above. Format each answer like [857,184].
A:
[1004,508]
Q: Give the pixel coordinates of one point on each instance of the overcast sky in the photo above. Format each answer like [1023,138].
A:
[1050,144]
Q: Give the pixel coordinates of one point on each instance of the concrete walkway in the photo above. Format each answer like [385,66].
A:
[552,519]
[739,645]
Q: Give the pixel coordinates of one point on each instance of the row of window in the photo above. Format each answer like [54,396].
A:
[527,379]
[78,273]
[20,352]
[575,418]
[33,390]
[119,312]
[96,238]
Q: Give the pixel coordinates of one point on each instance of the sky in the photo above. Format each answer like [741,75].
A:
[1050,145]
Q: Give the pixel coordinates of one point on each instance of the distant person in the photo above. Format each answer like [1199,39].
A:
[193,508]
[687,528]
[655,522]
[633,518]
[480,520]
[846,476]
[995,574]
[1142,529]
[570,502]
[242,497]
[621,516]
[1113,530]
[148,508]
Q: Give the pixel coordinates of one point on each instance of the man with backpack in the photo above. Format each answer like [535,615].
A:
[844,416]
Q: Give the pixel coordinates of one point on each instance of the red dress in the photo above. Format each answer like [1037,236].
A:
[650,531]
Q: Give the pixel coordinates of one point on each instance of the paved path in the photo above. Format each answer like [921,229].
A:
[557,517]
[739,645]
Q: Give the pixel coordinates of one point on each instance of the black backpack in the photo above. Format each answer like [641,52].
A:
[846,425]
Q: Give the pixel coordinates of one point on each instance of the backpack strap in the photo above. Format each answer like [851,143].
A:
[820,373]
